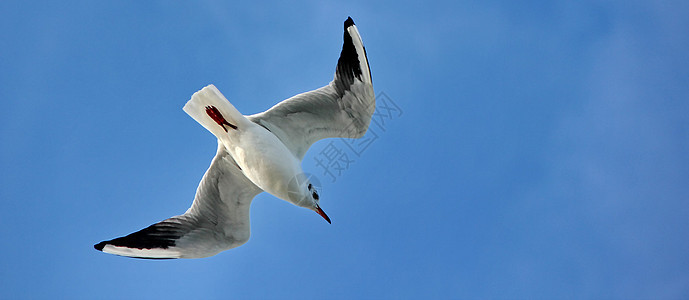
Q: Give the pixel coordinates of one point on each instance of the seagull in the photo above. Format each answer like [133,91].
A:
[256,153]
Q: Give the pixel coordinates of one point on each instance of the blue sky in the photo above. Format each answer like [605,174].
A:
[539,151]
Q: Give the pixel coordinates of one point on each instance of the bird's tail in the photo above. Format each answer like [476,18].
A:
[212,110]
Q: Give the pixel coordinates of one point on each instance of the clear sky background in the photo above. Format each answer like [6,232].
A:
[540,149]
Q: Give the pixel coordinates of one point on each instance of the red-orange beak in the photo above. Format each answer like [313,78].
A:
[322,213]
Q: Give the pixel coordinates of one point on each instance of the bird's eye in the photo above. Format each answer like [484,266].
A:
[315,196]
[309,186]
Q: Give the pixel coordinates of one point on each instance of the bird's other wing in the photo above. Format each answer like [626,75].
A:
[217,220]
[342,108]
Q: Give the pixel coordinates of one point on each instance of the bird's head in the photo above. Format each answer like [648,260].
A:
[315,202]
[306,195]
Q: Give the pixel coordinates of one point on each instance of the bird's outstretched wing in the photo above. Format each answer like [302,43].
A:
[342,108]
[217,220]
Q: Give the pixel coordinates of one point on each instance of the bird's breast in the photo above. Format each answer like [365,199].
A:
[265,160]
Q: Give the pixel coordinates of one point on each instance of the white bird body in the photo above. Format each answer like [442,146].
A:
[261,156]
[267,162]
[256,153]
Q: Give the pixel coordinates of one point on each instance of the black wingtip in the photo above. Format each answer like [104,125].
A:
[348,65]
[348,22]
[100,246]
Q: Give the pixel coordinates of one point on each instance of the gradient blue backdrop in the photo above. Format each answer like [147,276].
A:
[542,151]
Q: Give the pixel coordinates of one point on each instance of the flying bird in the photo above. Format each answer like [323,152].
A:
[256,153]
